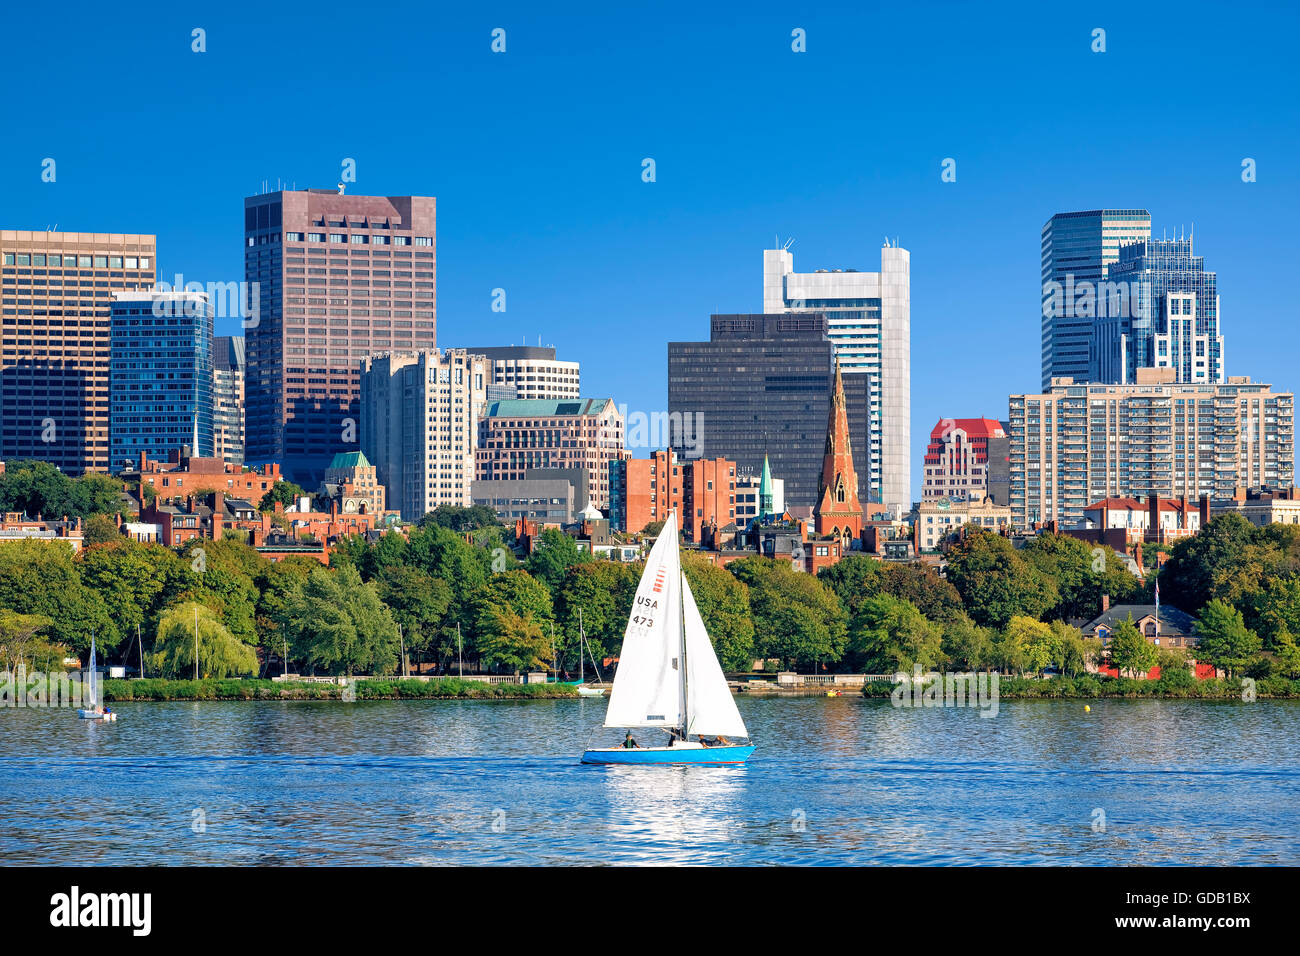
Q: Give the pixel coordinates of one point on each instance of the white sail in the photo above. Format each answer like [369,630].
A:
[647,689]
[710,707]
[92,700]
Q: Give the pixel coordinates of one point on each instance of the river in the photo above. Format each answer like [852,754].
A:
[834,781]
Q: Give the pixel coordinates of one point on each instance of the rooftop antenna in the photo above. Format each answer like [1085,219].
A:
[788,243]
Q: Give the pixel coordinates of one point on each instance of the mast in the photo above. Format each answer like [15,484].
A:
[582,640]
[681,638]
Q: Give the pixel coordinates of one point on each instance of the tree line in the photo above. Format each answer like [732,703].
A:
[453,590]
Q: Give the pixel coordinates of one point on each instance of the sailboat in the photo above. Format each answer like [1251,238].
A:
[583,689]
[90,693]
[668,674]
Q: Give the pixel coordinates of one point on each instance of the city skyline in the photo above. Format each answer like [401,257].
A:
[575,238]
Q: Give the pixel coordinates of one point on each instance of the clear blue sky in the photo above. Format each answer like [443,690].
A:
[535,156]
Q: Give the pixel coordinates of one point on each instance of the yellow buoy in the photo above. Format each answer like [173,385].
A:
[1087,709]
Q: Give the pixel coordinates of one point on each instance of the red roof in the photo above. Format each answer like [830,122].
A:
[1135,504]
[973,427]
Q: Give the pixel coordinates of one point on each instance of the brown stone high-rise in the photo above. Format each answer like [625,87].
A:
[838,512]
[339,278]
[54,355]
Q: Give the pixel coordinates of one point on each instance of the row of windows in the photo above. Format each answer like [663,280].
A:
[81,262]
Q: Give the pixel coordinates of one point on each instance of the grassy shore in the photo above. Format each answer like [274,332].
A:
[1182,687]
[443,688]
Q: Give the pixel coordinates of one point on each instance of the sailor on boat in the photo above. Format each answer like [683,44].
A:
[669,676]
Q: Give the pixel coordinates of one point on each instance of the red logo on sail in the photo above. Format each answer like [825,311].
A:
[659,581]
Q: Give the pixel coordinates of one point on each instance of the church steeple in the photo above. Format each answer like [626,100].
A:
[838,510]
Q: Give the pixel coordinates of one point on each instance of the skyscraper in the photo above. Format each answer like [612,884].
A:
[54,354]
[1161,310]
[160,376]
[869,323]
[419,414]
[761,386]
[339,277]
[1077,250]
[228,397]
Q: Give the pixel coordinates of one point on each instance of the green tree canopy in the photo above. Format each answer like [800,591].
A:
[461,519]
[995,583]
[1130,651]
[1223,639]
[220,653]
[797,618]
[890,634]
[282,492]
[337,623]
[42,577]
[723,601]
[553,553]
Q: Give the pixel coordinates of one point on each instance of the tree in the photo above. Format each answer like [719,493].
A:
[600,595]
[100,529]
[1286,655]
[890,634]
[1082,573]
[854,578]
[500,637]
[995,583]
[220,653]
[336,622]
[1223,639]
[1071,651]
[135,581]
[553,552]
[966,645]
[282,492]
[419,604]
[653,529]
[1229,559]
[42,577]
[723,602]
[1129,650]
[512,641]
[1028,644]
[21,638]
[96,493]
[797,618]
[461,519]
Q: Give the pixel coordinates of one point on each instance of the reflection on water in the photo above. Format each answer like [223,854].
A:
[835,780]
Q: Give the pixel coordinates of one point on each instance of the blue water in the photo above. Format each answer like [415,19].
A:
[834,781]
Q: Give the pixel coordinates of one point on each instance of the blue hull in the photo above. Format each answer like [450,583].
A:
[670,755]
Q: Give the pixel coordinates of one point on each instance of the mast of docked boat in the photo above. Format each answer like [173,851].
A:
[582,641]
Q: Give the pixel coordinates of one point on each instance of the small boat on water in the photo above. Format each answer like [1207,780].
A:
[668,675]
[585,691]
[91,693]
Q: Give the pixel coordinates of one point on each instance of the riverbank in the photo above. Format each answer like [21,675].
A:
[1183,687]
[443,688]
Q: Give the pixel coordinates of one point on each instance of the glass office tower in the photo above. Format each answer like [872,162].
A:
[160,376]
[1171,319]
[1077,250]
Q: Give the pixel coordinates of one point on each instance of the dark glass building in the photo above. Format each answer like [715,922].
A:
[160,376]
[762,385]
